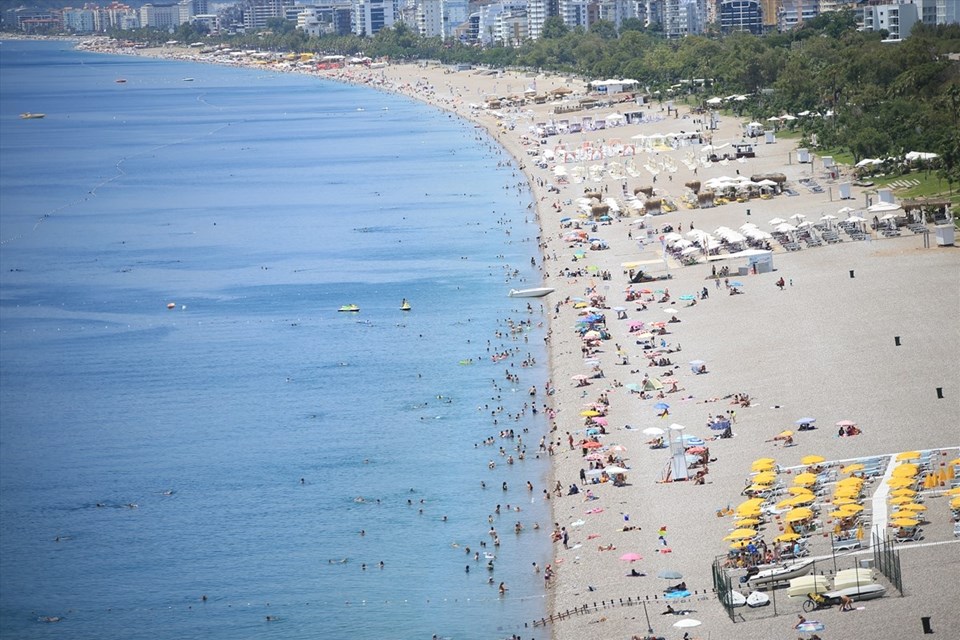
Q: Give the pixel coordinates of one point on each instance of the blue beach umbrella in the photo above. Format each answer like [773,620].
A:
[565,219]
[805,421]
[736,284]
[662,406]
[686,296]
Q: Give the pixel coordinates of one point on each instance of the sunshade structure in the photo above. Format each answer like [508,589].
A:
[787,537]
[805,479]
[812,459]
[852,468]
[798,515]
[906,471]
[763,464]
[907,455]
[741,534]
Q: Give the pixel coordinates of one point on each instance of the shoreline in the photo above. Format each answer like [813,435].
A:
[822,345]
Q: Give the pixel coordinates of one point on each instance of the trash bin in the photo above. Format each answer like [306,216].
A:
[925,621]
[866,563]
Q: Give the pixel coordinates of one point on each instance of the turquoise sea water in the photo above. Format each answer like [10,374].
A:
[257,203]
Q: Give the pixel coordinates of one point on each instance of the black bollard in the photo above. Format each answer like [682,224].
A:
[851,273]
[925,621]
[940,393]
[896,340]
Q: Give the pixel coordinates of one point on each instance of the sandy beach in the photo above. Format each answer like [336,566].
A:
[864,331]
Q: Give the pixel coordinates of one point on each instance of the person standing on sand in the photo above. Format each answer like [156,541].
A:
[661,535]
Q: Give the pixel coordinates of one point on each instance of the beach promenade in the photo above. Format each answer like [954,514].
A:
[865,331]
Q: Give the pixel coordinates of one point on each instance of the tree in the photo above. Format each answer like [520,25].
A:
[605,29]
[554,28]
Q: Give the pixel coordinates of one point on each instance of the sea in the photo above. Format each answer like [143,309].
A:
[194,441]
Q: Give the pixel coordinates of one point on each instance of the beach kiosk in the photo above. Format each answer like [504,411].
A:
[758,261]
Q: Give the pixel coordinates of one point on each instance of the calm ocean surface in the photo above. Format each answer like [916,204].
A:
[258,203]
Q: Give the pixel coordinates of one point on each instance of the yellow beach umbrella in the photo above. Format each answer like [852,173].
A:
[953,492]
[955,462]
[859,532]
[840,515]
[904,522]
[767,477]
[907,455]
[905,492]
[750,504]
[842,501]
[955,503]
[796,515]
[906,471]
[929,481]
[766,463]
[784,504]
[746,522]
[913,506]
[741,534]
[757,487]
[901,482]
[784,434]
[799,491]
[949,472]
[739,544]
[805,479]
[846,492]
[787,537]
[903,514]
[852,481]
[851,508]
[850,468]
[749,512]
[590,413]
[813,459]
[802,499]
[898,500]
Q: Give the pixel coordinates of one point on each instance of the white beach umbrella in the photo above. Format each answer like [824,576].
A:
[798,217]
[845,210]
[687,623]
[653,431]
[775,221]
[829,217]
[786,227]
[883,207]
[856,219]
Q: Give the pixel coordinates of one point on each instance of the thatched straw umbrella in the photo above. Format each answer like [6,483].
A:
[693,186]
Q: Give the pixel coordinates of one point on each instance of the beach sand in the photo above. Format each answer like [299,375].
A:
[824,346]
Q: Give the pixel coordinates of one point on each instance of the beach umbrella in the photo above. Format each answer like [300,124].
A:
[803,421]
[852,481]
[846,423]
[954,463]
[668,574]
[670,310]
[775,221]
[787,537]
[687,623]
[902,513]
[631,386]
[810,626]
[631,557]
[799,491]
[798,515]
[662,406]
[802,499]
[913,507]
[907,455]
[578,378]
[591,444]
[746,522]
[909,493]
[851,508]
[899,500]
[617,448]
[653,431]
[590,413]
[904,522]
[687,296]
[949,492]
[753,488]
[906,471]
[955,503]
[901,482]
[812,459]
[850,468]
[740,544]
[804,479]
[765,477]
[601,421]
[741,534]
[763,461]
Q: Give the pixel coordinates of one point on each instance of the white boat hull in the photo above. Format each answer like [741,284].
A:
[539,292]
[780,574]
[863,592]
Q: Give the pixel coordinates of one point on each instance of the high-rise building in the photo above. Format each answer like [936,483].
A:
[79,20]
[895,19]
[370,16]
[160,16]
[740,15]
[257,12]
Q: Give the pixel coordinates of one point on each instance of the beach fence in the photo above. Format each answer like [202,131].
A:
[651,606]
[731,592]
[886,560]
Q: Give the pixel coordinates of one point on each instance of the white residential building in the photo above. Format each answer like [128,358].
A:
[510,27]
[370,16]
[160,16]
[796,12]
[896,19]
[430,18]
[79,20]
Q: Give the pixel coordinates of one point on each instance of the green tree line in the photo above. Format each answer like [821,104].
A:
[886,98]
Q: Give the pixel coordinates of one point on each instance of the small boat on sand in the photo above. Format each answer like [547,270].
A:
[538,292]
[32,116]
[781,573]
[405,306]
[863,592]
[351,308]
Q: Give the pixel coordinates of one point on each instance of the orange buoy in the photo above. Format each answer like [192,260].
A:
[171,305]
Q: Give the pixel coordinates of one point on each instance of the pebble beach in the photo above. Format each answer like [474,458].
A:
[864,331]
